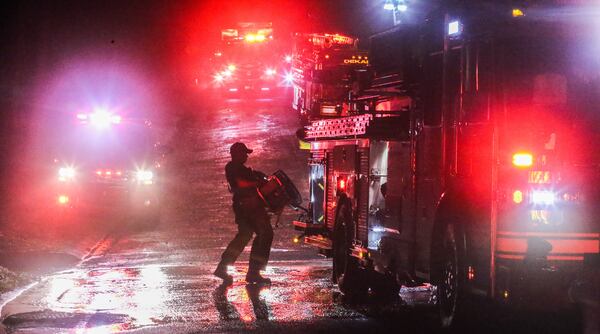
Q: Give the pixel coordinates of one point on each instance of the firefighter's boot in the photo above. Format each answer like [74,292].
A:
[221,272]
[254,277]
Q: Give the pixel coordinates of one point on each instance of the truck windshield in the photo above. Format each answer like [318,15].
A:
[332,82]
[123,146]
[242,52]
[552,86]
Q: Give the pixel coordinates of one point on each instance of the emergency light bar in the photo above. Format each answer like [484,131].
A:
[101,118]
[326,40]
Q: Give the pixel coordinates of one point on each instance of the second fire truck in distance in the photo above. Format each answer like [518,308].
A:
[249,60]
[323,69]
[473,167]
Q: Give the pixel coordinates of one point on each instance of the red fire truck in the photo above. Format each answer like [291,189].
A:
[323,69]
[473,167]
[249,60]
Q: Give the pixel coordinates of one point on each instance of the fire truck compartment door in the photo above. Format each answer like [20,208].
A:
[344,159]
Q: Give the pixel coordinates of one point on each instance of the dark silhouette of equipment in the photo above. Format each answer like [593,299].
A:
[279,191]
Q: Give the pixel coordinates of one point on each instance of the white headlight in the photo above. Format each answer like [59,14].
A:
[543,197]
[66,174]
[144,176]
[101,118]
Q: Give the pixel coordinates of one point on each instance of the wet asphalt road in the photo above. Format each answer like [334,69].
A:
[157,279]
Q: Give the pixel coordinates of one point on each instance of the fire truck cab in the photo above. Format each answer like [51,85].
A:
[323,69]
[469,163]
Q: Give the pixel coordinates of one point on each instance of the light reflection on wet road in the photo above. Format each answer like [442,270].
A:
[159,279]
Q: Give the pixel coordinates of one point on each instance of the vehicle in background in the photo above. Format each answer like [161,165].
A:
[105,163]
[470,165]
[324,67]
[248,62]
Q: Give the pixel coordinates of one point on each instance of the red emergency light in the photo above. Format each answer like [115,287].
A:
[342,184]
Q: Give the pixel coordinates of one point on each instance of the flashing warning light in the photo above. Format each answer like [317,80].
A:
[270,72]
[144,176]
[288,59]
[517,12]
[63,199]
[522,159]
[543,197]
[66,174]
[326,56]
[471,273]
[219,77]
[288,78]
[251,38]
[454,28]
[296,239]
[231,67]
[341,184]
[518,196]
[102,118]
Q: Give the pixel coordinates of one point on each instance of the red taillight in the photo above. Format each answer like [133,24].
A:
[522,159]
[341,184]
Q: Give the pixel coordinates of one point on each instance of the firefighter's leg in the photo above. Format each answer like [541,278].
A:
[236,246]
[261,249]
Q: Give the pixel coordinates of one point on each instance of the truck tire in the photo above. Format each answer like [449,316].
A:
[351,279]
[449,275]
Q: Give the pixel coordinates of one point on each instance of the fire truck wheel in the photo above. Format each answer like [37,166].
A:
[449,275]
[351,279]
